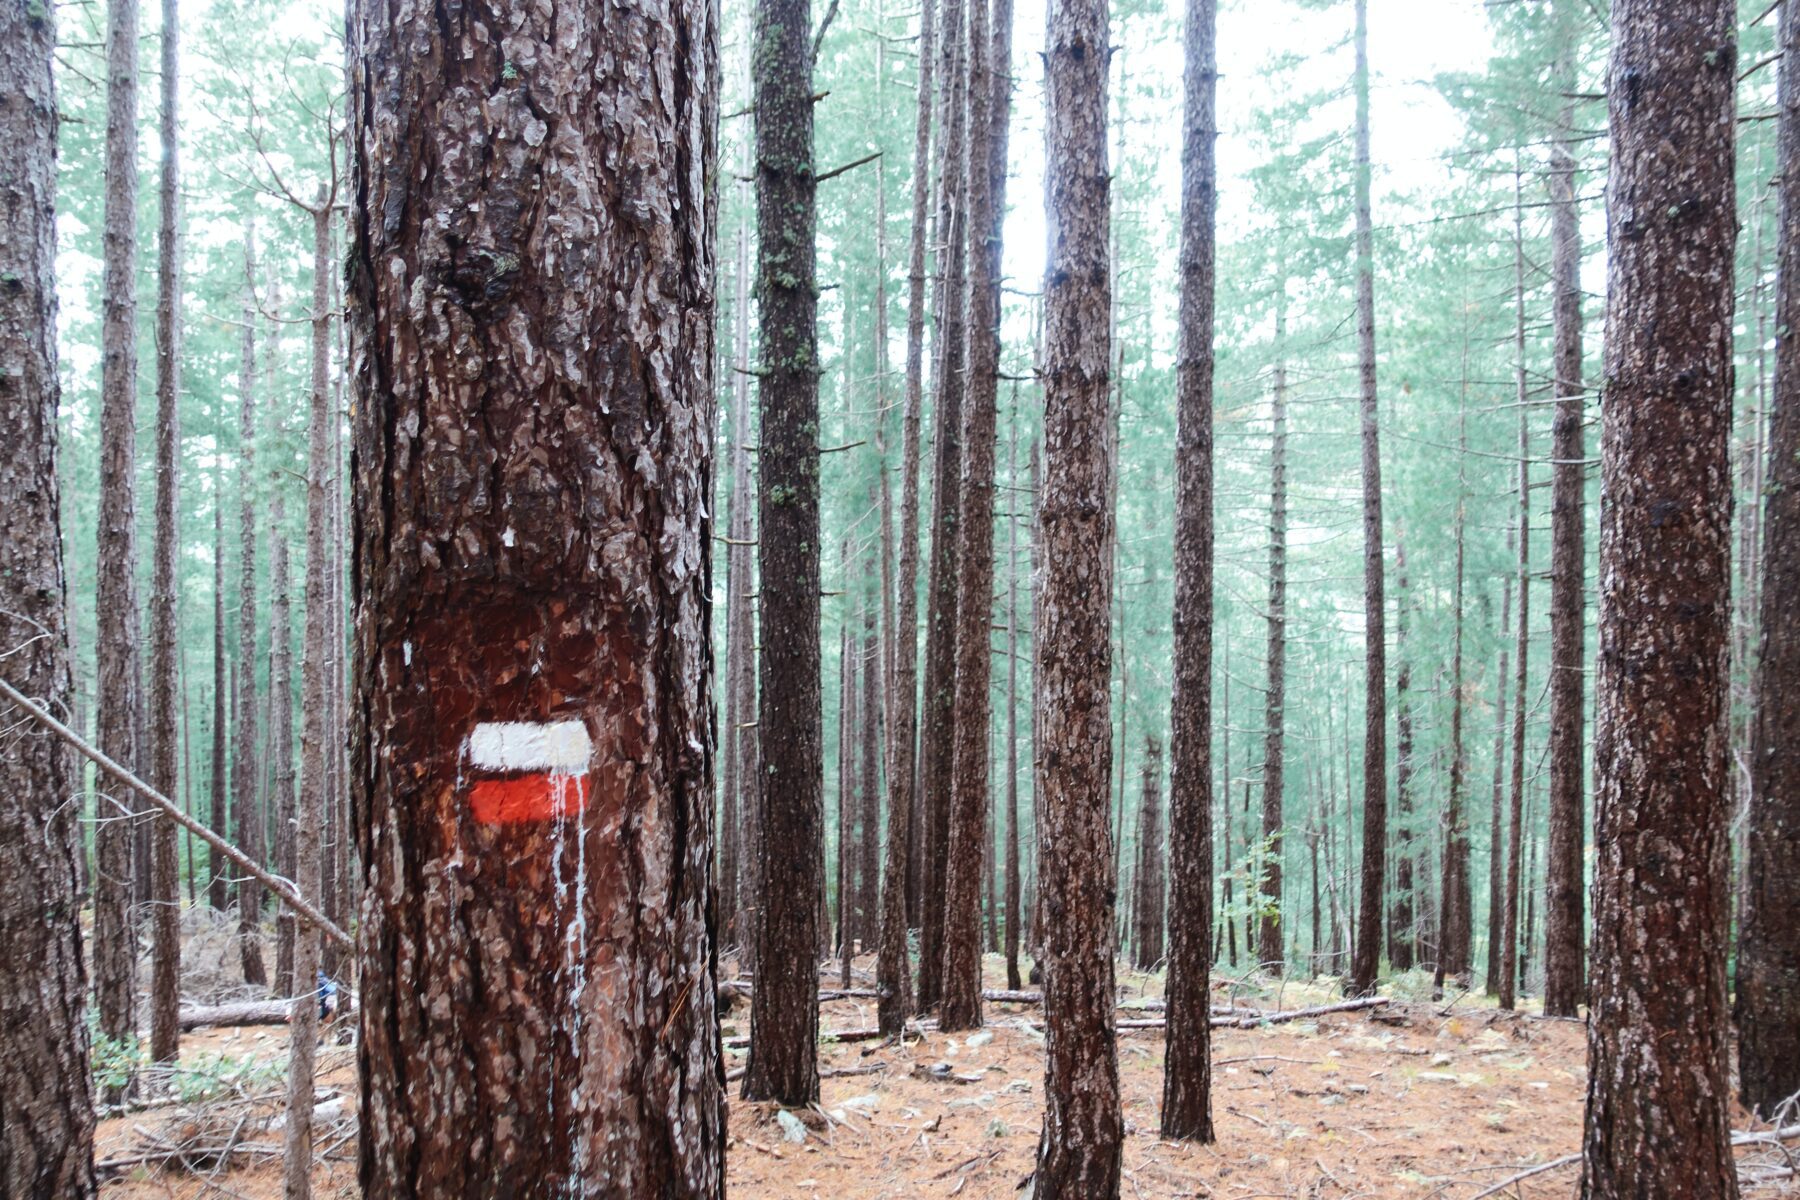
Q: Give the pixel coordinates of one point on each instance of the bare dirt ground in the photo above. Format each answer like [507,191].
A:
[1409,1101]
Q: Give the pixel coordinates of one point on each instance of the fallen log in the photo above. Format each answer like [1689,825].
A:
[1254,1019]
[249,1012]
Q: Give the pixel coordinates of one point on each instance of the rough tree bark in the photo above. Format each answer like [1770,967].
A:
[1768,971]
[1565,939]
[46,1101]
[784,1010]
[218,891]
[868,819]
[1187,1065]
[1269,949]
[115,598]
[164,689]
[1079,1150]
[532,759]
[281,709]
[1496,864]
[937,739]
[246,817]
[892,970]
[1657,1105]
[741,614]
[1401,932]
[737,647]
[970,847]
[1014,914]
[1366,954]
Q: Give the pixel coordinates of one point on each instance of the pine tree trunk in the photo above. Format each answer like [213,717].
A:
[937,740]
[1366,957]
[1401,930]
[281,750]
[1496,863]
[218,893]
[1187,1068]
[247,819]
[741,615]
[1565,938]
[46,1100]
[1269,949]
[115,599]
[1768,970]
[532,757]
[1455,919]
[1079,1151]
[970,847]
[868,791]
[1147,937]
[1014,911]
[892,970]
[737,500]
[784,1016]
[1509,920]
[1657,1107]
[164,686]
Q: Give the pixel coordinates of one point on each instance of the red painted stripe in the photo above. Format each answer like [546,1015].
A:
[516,799]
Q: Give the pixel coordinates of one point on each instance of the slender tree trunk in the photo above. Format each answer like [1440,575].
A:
[46,1099]
[1402,933]
[937,733]
[218,886]
[1014,912]
[532,747]
[1455,920]
[164,690]
[970,847]
[893,976]
[846,783]
[281,710]
[1657,1107]
[740,612]
[1565,939]
[247,820]
[737,647]
[1187,1066]
[1367,957]
[115,600]
[1768,964]
[868,792]
[1269,934]
[1509,921]
[784,1008]
[1147,937]
[1496,864]
[1079,1151]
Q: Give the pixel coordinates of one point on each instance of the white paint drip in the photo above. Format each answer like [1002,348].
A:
[558,747]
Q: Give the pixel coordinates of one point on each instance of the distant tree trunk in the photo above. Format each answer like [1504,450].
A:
[1079,1151]
[741,665]
[247,818]
[1366,958]
[1496,863]
[737,645]
[1509,921]
[868,813]
[1147,938]
[218,886]
[784,1009]
[115,599]
[971,847]
[1187,1066]
[1312,847]
[1565,939]
[532,749]
[165,689]
[1014,912]
[281,750]
[1401,921]
[1768,964]
[1657,1118]
[892,970]
[846,789]
[937,734]
[1455,919]
[1269,950]
[46,1099]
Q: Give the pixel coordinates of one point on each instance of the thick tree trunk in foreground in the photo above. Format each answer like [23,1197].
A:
[1565,939]
[115,598]
[1187,1066]
[165,689]
[1079,1151]
[937,704]
[892,972]
[1657,1106]
[970,846]
[46,1103]
[784,1011]
[1366,958]
[1768,972]
[1147,936]
[532,756]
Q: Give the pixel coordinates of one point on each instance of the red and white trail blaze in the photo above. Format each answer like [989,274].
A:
[522,771]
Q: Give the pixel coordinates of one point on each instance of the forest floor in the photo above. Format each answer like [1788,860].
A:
[1412,1100]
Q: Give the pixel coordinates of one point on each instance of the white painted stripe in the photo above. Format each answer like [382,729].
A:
[562,747]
